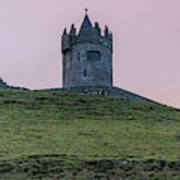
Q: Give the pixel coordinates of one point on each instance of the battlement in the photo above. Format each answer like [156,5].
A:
[87,56]
[86,34]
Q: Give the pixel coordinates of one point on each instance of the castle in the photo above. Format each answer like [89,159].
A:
[87,62]
[87,56]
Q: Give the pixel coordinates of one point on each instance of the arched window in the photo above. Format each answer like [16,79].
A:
[85,73]
[93,56]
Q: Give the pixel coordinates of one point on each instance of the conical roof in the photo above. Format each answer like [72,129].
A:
[86,26]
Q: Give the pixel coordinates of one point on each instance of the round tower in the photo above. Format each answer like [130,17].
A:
[87,56]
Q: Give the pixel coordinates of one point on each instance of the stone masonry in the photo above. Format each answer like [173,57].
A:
[87,56]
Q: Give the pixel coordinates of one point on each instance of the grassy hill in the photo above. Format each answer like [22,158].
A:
[55,135]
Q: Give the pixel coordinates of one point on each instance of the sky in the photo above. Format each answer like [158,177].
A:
[146,40]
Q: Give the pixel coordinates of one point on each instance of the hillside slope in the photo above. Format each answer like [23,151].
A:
[71,136]
[104,90]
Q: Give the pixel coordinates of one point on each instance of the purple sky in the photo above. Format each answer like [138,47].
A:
[146,42]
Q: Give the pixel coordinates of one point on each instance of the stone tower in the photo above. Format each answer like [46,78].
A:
[87,56]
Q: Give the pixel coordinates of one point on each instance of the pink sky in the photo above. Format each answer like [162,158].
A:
[146,42]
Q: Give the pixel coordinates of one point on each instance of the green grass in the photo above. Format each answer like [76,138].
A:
[89,128]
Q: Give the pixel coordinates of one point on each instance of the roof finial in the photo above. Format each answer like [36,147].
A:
[86,10]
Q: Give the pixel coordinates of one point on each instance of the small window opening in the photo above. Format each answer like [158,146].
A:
[78,56]
[85,73]
[103,93]
[93,55]
[65,52]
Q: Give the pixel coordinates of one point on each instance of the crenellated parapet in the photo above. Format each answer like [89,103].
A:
[65,41]
[87,56]
[86,34]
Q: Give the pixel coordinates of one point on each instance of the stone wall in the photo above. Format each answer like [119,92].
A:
[81,71]
[2,84]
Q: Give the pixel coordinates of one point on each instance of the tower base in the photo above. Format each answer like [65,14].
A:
[106,91]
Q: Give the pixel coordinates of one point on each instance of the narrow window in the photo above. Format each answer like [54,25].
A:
[85,73]
[78,56]
[93,55]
